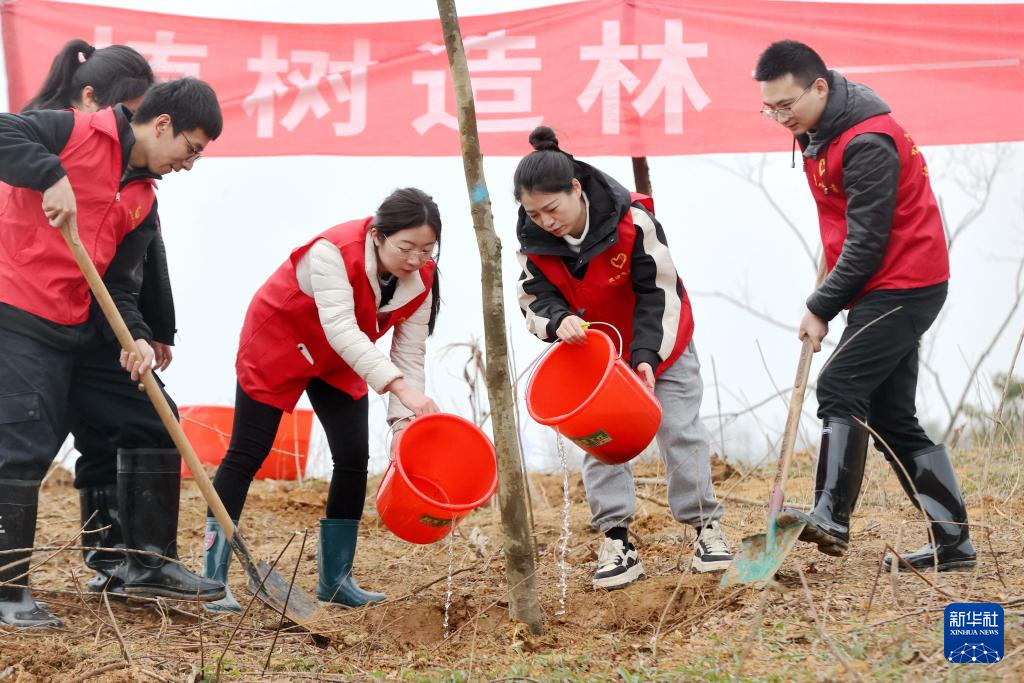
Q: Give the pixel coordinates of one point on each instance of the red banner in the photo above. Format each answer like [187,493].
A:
[617,77]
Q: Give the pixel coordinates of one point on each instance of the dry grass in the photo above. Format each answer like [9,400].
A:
[862,625]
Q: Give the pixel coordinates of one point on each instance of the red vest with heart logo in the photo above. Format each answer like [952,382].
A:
[606,291]
[283,344]
[916,254]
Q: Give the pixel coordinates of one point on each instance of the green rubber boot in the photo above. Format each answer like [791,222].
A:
[337,550]
[216,558]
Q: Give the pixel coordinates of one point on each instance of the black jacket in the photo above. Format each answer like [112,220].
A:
[609,201]
[871,170]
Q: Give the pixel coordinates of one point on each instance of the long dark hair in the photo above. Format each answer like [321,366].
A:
[410,207]
[547,168]
[116,73]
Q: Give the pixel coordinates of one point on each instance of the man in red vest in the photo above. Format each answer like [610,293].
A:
[887,262]
[95,171]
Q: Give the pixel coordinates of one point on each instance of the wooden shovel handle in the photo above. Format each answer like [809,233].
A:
[796,404]
[153,390]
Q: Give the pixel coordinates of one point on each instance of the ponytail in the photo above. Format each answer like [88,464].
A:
[116,74]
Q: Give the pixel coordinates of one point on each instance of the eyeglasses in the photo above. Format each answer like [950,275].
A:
[194,152]
[414,254]
[783,114]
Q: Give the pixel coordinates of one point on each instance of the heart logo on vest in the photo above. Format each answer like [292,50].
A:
[619,260]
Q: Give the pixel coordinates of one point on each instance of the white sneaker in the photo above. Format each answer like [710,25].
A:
[617,566]
[712,552]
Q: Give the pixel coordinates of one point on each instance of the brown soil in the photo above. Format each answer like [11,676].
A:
[889,628]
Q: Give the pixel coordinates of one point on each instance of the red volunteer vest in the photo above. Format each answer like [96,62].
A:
[37,272]
[606,292]
[283,344]
[916,255]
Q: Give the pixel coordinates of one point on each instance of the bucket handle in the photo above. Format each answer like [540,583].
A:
[390,436]
[540,356]
[609,325]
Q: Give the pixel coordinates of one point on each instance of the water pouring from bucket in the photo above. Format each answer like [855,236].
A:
[588,394]
[443,467]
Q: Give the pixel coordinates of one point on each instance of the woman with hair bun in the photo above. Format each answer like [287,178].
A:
[591,250]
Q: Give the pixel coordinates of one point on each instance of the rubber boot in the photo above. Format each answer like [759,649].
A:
[938,495]
[98,505]
[337,550]
[148,492]
[216,558]
[844,449]
[18,503]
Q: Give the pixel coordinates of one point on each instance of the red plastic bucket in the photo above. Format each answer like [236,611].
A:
[208,429]
[443,467]
[590,396]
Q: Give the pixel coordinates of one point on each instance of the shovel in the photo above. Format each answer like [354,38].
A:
[761,555]
[268,585]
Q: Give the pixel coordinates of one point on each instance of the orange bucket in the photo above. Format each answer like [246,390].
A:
[443,467]
[590,396]
[208,429]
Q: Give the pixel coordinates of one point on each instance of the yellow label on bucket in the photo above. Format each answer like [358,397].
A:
[598,438]
[434,521]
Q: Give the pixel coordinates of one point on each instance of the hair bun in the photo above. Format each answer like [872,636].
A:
[543,138]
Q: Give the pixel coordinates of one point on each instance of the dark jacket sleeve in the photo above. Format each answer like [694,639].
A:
[658,294]
[156,300]
[540,301]
[871,171]
[124,279]
[29,147]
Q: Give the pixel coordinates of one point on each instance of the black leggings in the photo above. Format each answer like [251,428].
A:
[344,420]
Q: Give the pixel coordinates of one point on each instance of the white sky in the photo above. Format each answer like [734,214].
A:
[230,222]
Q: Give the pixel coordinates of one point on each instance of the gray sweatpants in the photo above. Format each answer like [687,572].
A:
[685,446]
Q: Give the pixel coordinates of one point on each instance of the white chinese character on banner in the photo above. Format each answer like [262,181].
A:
[990,620]
[609,75]
[672,79]
[956,619]
[310,98]
[269,85]
[496,44]
[973,619]
[159,52]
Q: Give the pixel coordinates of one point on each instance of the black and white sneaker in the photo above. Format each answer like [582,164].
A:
[711,553]
[617,566]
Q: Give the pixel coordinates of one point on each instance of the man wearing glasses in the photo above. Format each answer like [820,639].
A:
[91,173]
[888,263]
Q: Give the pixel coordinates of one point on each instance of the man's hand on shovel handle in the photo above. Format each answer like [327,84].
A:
[138,366]
[814,328]
[60,207]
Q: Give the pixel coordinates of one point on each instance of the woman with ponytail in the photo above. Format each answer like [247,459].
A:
[91,79]
[311,328]
[592,251]
[88,79]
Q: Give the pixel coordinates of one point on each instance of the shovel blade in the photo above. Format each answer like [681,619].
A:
[760,557]
[278,594]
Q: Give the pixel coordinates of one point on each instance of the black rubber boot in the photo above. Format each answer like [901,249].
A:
[938,495]
[99,512]
[844,449]
[18,503]
[148,492]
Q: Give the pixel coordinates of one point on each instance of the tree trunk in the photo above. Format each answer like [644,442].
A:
[519,547]
[642,176]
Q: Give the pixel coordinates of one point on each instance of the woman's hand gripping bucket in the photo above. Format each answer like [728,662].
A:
[592,397]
